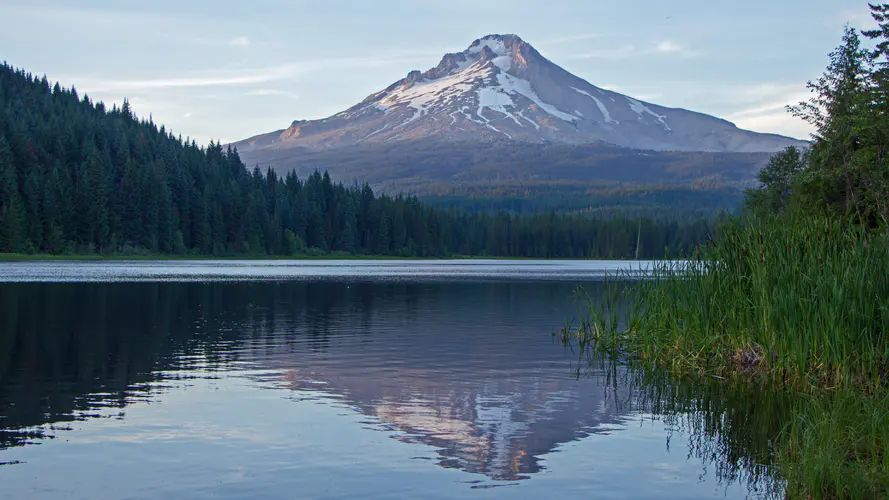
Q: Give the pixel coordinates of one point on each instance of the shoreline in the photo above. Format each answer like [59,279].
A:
[6,257]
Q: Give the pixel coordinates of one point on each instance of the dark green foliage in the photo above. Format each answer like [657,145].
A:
[777,182]
[77,177]
[12,211]
[846,170]
[630,201]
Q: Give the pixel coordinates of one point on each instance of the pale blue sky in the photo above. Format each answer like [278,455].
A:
[228,70]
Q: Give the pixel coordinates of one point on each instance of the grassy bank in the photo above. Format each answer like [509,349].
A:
[796,304]
[801,303]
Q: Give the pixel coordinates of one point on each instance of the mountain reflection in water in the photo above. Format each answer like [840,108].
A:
[470,369]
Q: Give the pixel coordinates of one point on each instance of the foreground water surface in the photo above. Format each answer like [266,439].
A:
[341,380]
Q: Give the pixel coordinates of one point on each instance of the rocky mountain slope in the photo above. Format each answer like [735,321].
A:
[502,89]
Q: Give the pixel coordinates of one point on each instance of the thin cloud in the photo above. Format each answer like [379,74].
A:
[669,47]
[203,41]
[244,76]
[767,89]
[760,110]
[860,18]
[666,47]
[612,53]
[569,39]
[766,109]
[273,92]
[776,122]
[241,41]
[769,96]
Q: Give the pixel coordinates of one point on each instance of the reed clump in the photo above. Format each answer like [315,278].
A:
[796,303]
[802,303]
[836,446]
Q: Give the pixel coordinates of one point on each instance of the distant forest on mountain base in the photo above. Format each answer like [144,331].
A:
[659,202]
[79,178]
[528,177]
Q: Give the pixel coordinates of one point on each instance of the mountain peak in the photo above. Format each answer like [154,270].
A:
[501,88]
[499,44]
[507,37]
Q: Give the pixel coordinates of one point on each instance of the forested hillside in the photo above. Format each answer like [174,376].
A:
[537,176]
[77,177]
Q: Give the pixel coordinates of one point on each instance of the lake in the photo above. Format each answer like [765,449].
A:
[345,379]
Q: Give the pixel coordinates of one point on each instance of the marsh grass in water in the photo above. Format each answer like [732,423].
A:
[793,304]
[798,303]
[728,428]
[835,446]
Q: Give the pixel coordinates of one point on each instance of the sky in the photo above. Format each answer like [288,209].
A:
[227,70]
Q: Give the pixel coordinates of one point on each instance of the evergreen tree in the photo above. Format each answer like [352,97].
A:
[347,226]
[382,243]
[873,127]
[12,212]
[776,181]
[839,96]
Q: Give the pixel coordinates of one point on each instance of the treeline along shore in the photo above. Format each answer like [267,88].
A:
[79,178]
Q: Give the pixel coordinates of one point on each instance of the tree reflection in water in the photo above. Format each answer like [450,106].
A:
[466,368]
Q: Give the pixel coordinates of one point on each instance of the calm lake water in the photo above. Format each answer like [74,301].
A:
[343,380]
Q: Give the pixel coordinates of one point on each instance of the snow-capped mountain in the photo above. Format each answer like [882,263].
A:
[501,88]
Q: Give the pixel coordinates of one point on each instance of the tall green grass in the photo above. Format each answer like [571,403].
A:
[836,446]
[798,302]
[795,304]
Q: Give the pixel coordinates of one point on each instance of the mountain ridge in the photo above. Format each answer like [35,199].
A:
[502,88]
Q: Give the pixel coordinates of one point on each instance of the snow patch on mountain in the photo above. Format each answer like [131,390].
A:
[514,85]
[501,87]
[441,91]
[492,42]
[521,113]
[641,110]
[605,114]
[377,131]
[497,101]
[493,86]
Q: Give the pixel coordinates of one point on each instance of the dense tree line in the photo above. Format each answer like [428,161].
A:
[543,176]
[626,202]
[77,177]
[846,171]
